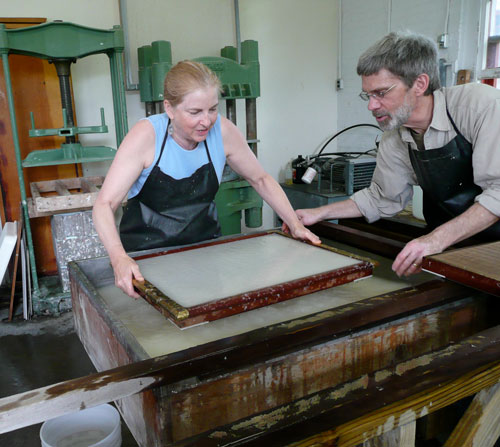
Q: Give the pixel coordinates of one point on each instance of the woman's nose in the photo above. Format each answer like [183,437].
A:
[205,120]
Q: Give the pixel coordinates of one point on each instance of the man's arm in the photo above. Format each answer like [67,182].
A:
[467,224]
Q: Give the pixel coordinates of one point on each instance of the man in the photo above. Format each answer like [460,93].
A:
[447,140]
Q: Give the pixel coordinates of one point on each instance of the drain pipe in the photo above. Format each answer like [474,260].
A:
[237,25]
[129,84]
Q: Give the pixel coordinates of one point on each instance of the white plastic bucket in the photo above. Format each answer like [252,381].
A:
[94,427]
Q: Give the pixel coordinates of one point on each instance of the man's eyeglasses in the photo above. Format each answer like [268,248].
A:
[377,95]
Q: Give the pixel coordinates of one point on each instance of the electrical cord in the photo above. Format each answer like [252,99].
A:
[347,154]
[340,133]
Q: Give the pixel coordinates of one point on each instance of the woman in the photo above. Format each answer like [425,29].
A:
[172,164]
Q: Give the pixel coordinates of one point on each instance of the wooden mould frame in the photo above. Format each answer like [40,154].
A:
[245,301]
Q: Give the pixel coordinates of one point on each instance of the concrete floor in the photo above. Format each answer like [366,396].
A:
[38,353]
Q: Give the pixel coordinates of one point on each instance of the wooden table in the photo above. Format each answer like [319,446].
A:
[344,371]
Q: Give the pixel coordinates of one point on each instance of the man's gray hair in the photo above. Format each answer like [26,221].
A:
[405,55]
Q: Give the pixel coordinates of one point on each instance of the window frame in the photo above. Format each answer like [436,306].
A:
[483,73]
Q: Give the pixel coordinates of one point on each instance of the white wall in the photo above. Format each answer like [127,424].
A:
[297,109]
[297,51]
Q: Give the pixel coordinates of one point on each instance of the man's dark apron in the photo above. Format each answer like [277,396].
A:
[447,180]
[169,212]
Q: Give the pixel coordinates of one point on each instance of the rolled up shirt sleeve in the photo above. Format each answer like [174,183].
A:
[486,156]
[392,184]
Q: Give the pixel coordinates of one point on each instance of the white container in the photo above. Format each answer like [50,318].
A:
[418,202]
[8,239]
[94,427]
[309,175]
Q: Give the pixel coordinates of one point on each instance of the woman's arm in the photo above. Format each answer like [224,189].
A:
[134,154]
[243,161]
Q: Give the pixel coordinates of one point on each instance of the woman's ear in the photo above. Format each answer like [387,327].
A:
[168,109]
[421,84]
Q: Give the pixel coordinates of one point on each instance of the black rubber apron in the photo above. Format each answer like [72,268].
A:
[169,212]
[447,180]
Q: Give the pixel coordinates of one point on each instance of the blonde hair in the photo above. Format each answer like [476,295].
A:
[185,77]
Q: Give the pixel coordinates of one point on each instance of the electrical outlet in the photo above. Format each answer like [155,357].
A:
[340,84]
[443,41]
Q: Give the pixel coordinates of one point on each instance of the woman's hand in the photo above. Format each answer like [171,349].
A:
[126,269]
[300,232]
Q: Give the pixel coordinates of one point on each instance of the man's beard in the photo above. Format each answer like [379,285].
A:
[400,116]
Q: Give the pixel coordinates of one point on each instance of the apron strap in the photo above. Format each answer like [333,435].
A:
[162,145]
[165,140]
[455,126]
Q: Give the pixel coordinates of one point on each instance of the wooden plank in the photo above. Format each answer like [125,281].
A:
[64,195]
[88,185]
[61,188]
[70,183]
[35,191]
[405,411]
[480,425]
[21,22]
[403,436]
[357,238]
[475,266]
[386,398]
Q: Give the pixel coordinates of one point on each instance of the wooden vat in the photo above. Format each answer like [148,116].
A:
[287,380]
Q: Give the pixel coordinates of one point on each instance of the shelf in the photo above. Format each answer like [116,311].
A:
[70,155]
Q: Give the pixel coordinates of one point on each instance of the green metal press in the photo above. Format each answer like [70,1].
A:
[62,43]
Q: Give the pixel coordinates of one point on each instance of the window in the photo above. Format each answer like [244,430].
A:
[489,66]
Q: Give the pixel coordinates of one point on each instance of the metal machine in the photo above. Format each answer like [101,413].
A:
[62,43]
[346,174]
[337,178]
[330,177]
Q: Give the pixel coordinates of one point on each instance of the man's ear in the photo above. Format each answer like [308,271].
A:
[421,84]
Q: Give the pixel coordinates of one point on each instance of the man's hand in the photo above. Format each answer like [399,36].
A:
[409,260]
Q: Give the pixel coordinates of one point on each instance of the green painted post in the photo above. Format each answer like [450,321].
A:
[17,150]
[145,61]
[120,110]
[161,64]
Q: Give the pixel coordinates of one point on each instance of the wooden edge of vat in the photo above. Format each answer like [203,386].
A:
[429,382]
[81,284]
[358,238]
